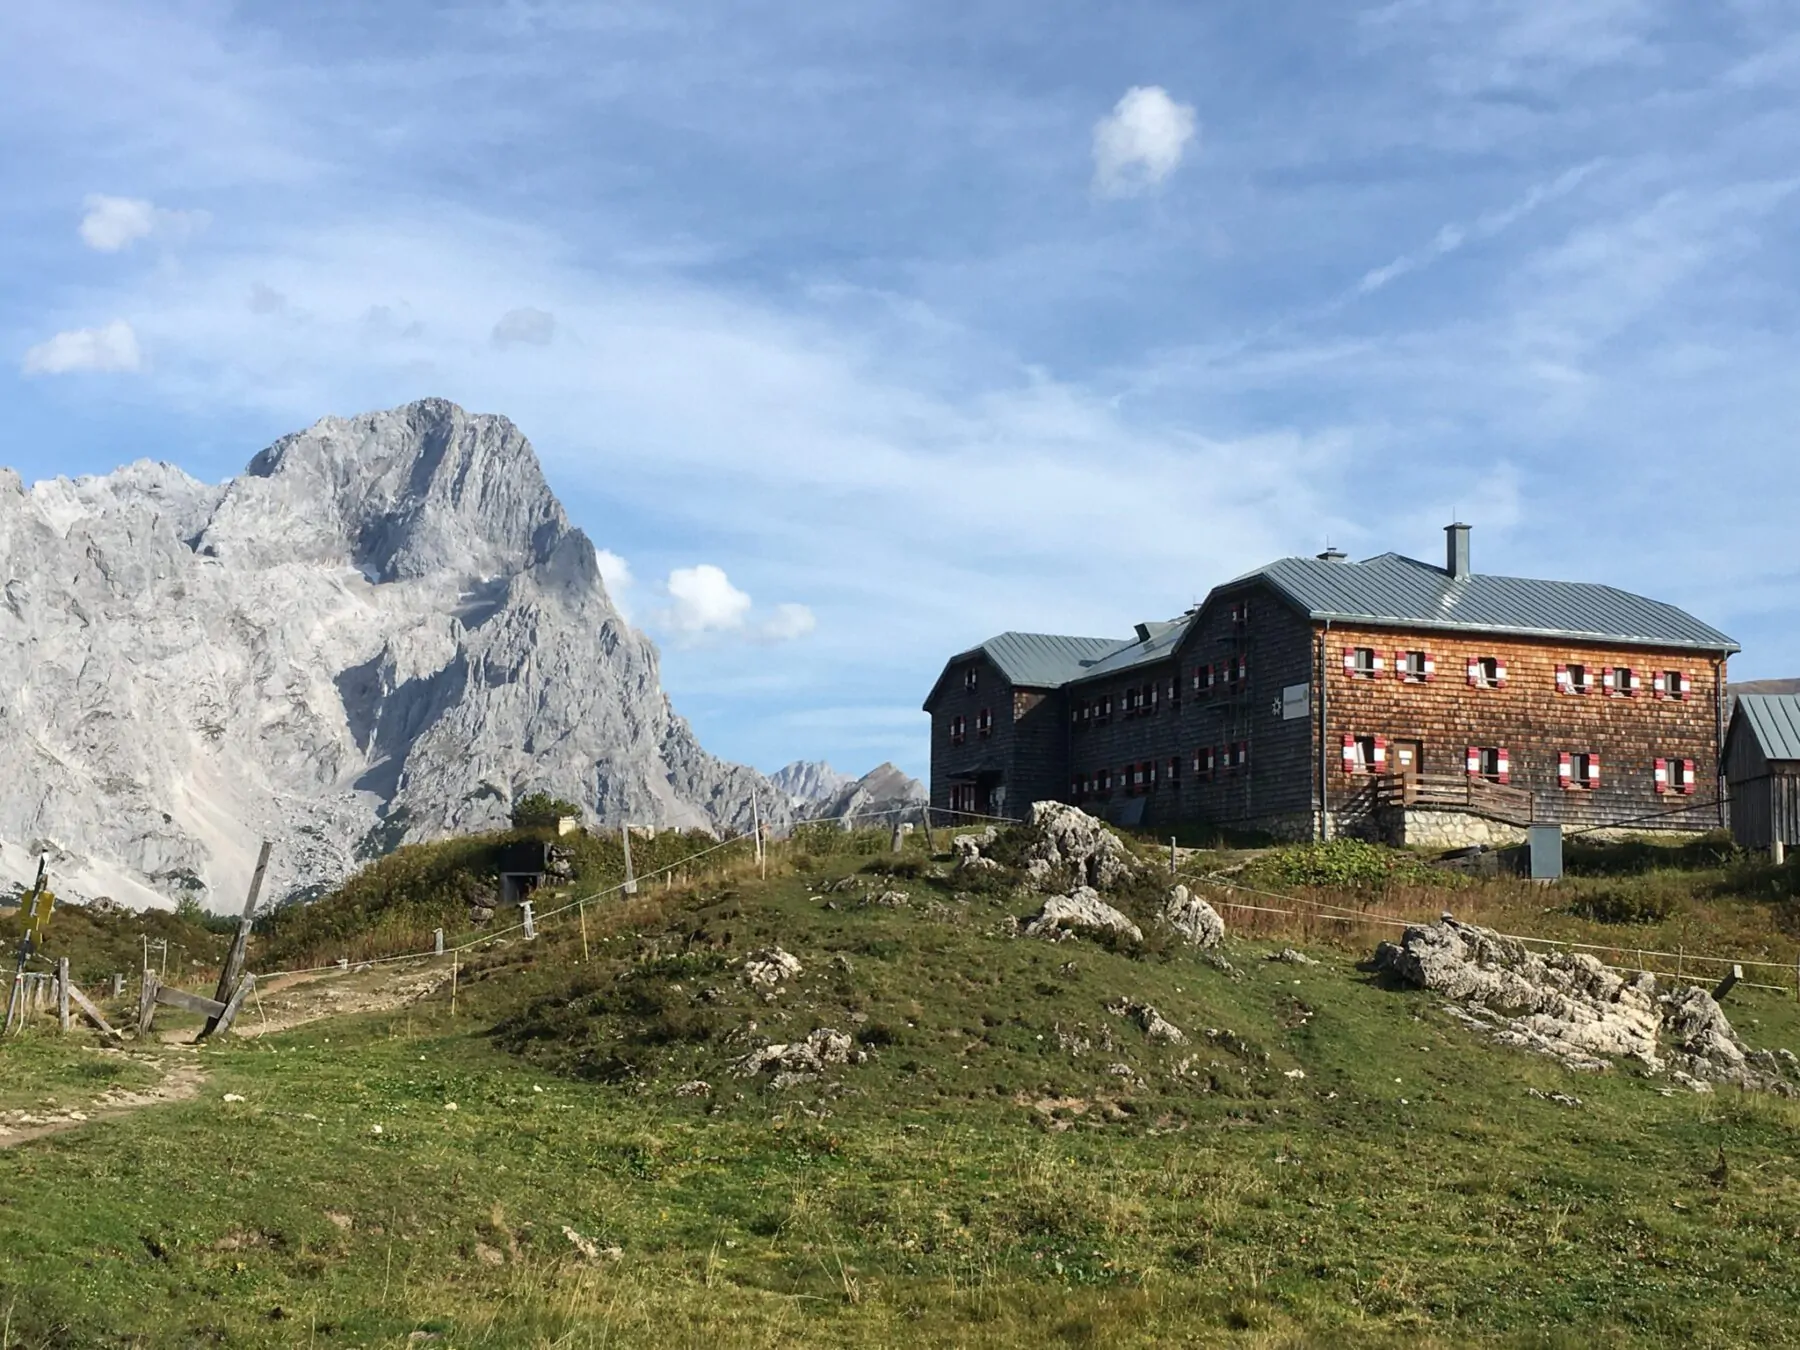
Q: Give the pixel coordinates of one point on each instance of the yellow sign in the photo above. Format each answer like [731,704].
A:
[39,914]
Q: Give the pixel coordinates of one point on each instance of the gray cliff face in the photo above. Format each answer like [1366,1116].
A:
[807,781]
[386,629]
[883,796]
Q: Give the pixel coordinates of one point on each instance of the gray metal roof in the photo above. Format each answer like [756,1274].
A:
[1161,643]
[1404,592]
[1774,719]
[1045,660]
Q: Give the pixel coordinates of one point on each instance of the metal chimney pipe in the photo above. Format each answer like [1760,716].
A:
[1456,550]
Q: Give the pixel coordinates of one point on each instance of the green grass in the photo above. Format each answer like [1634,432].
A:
[42,1070]
[970,1184]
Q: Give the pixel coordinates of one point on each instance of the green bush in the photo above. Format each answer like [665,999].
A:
[1637,901]
[1345,863]
[1587,856]
[538,810]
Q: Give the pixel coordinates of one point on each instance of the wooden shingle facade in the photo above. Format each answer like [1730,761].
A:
[1762,770]
[1389,698]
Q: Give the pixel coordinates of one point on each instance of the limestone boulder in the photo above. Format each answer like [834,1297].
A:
[1081,913]
[1068,844]
[1197,922]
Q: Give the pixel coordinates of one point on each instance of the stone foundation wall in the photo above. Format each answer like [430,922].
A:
[1457,829]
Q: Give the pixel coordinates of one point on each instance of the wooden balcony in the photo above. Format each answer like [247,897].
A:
[1455,792]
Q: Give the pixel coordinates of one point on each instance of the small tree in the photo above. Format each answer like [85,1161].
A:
[539,810]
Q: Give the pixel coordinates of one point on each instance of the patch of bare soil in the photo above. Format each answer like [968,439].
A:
[182,1079]
[294,1000]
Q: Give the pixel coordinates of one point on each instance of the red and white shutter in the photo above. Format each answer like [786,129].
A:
[1430,666]
[1500,670]
[1349,754]
[1474,760]
[1607,684]
[1593,778]
[1688,781]
[1350,661]
[1564,685]
[1659,684]
[1635,686]
[1380,765]
[1376,658]
[1660,775]
[1474,670]
[1565,769]
[1400,665]
[1683,685]
[1503,765]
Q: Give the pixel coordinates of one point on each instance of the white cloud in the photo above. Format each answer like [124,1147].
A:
[534,327]
[110,348]
[616,573]
[789,621]
[113,223]
[1140,143]
[703,600]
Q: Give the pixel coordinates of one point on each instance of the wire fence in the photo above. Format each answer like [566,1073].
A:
[1347,914]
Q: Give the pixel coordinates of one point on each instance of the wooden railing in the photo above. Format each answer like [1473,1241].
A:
[1456,792]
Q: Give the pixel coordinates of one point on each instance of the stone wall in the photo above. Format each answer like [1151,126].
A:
[1457,829]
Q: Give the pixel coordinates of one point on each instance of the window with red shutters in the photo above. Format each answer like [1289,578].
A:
[958,729]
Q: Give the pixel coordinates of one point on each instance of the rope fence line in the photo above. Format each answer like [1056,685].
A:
[1345,914]
[578,901]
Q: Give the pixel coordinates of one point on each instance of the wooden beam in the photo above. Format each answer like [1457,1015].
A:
[234,961]
[194,1003]
[221,1024]
[93,1013]
[62,993]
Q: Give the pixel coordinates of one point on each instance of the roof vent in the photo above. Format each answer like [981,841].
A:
[1456,550]
[1143,632]
[1334,554]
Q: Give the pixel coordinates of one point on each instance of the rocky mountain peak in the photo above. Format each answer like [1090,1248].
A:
[385,629]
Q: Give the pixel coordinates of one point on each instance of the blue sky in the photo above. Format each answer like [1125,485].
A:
[861,332]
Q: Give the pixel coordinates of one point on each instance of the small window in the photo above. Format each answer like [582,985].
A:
[1206,758]
[1573,679]
[1361,663]
[1239,669]
[1365,754]
[1174,771]
[1103,710]
[1240,612]
[1671,684]
[962,799]
[959,728]
[1415,667]
[1619,682]
[1175,692]
[1203,679]
[1675,776]
[1105,779]
[1491,762]
[1237,755]
[1579,770]
[971,679]
[984,722]
[1486,672]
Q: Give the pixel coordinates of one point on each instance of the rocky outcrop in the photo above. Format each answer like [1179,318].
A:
[1197,922]
[1570,1005]
[386,629]
[968,850]
[1158,1029]
[800,1061]
[1081,913]
[770,969]
[1069,847]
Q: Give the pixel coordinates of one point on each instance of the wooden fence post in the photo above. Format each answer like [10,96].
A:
[234,960]
[147,1004]
[630,875]
[930,843]
[62,995]
[437,942]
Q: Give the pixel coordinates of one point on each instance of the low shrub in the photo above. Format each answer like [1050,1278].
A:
[1638,901]
[1343,863]
[1584,855]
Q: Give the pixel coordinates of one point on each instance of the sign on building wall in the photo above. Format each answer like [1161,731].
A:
[1296,702]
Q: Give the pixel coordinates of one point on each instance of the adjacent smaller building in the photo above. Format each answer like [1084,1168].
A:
[1762,770]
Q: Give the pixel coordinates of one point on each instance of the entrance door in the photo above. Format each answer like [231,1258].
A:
[1406,758]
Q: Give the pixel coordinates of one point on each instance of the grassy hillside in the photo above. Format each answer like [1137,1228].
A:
[1321,1160]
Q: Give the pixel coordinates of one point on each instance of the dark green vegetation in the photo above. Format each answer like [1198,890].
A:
[539,810]
[102,942]
[982,1178]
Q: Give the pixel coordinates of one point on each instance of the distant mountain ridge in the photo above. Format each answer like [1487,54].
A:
[385,629]
[883,795]
[808,781]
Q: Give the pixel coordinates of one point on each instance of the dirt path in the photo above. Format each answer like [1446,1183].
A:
[183,1076]
[294,1000]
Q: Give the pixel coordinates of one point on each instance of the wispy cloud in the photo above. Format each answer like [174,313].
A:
[113,223]
[112,347]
